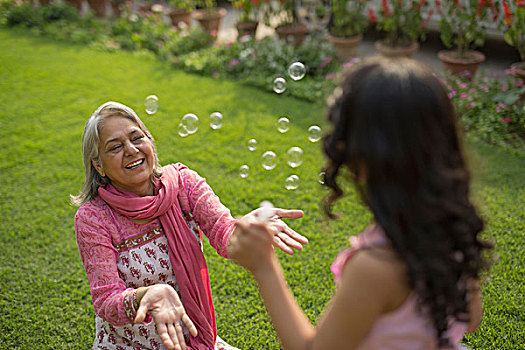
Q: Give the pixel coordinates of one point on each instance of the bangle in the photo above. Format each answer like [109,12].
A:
[135,301]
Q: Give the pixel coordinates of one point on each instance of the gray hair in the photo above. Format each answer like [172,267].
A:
[90,143]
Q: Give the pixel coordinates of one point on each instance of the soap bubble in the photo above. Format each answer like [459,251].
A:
[279,85]
[291,182]
[266,211]
[314,133]
[283,125]
[244,171]
[321,177]
[216,120]
[181,129]
[191,123]
[294,157]
[268,160]
[252,145]
[297,71]
[151,104]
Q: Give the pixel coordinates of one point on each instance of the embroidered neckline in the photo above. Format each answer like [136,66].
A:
[140,239]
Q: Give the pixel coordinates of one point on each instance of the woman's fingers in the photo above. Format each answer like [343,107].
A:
[180,335]
[295,236]
[164,335]
[289,241]
[189,324]
[281,245]
[141,313]
[288,213]
[173,336]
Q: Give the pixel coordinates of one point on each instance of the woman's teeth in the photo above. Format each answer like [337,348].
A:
[134,164]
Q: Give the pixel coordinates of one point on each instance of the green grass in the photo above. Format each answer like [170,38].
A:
[49,89]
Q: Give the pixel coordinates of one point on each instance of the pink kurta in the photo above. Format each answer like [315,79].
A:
[405,327]
[120,256]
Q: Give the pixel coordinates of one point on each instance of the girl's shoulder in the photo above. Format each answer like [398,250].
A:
[372,238]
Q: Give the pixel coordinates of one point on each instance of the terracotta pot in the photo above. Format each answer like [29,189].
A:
[461,66]
[247,28]
[295,32]
[396,51]
[177,16]
[519,72]
[210,21]
[345,48]
[98,6]
[76,3]
[519,69]
[115,6]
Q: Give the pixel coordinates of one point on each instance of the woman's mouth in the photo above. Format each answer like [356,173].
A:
[135,164]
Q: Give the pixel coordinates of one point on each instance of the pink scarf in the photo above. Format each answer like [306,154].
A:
[186,256]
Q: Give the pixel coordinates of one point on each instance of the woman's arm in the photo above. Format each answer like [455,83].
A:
[114,302]
[111,299]
[368,289]
[217,223]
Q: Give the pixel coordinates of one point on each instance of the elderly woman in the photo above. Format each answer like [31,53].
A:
[139,234]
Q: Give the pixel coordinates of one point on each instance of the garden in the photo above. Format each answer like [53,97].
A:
[58,64]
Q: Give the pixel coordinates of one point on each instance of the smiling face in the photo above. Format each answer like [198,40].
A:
[126,155]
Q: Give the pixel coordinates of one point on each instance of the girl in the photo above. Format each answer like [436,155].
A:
[410,279]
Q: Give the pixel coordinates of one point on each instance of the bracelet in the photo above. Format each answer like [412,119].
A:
[135,301]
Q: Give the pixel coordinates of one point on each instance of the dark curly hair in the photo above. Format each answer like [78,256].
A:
[394,129]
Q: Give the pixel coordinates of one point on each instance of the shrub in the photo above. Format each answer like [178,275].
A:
[25,14]
[490,108]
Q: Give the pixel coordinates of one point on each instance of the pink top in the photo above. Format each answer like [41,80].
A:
[105,236]
[405,327]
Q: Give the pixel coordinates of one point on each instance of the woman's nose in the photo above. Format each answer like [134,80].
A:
[131,148]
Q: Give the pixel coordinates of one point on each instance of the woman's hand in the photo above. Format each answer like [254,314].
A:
[164,304]
[285,238]
[252,246]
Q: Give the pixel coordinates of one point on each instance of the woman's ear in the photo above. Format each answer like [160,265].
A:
[98,166]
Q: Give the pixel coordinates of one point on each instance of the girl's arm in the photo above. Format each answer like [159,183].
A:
[369,287]
[475,307]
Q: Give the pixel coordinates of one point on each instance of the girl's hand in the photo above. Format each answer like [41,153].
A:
[252,245]
[285,238]
[163,303]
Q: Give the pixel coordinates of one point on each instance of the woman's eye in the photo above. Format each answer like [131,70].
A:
[136,139]
[115,148]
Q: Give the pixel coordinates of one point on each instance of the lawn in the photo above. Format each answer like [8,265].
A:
[49,89]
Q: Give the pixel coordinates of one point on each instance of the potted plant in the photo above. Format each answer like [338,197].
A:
[513,23]
[248,19]
[99,7]
[209,16]
[463,28]
[281,15]
[404,23]
[347,24]
[116,6]
[180,11]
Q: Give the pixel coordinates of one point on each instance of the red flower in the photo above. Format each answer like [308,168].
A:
[438,6]
[429,16]
[481,4]
[508,14]
[520,3]
[372,16]
[386,10]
